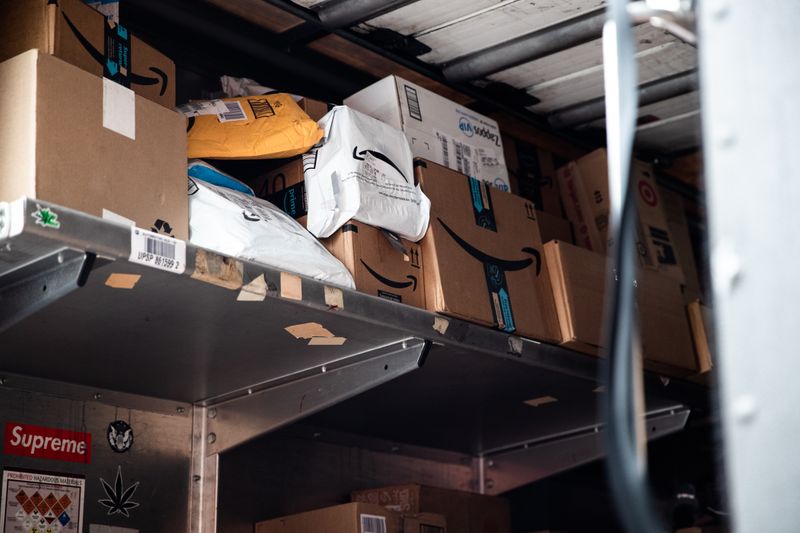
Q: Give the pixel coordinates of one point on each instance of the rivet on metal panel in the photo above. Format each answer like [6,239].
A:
[324,369]
[745,408]
[212,413]
[490,463]
[249,391]
[405,345]
[720,8]
[180,410]
[97,396]
[727,266]
[212,438]
[60,258]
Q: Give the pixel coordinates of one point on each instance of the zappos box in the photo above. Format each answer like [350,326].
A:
[381,265]
[84,142]
[438,129]
[482,256]
[78,34]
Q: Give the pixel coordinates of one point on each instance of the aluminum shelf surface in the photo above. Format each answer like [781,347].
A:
[184,339]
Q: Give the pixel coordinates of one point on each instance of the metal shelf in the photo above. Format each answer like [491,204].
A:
[187,338]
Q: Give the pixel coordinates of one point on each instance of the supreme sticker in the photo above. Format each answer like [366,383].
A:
[47,443]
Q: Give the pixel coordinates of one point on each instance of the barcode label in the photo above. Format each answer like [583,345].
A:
[463,157]
[373,524]
[157,251]
[445,148]
[202,107]
[235,112]
[412,98]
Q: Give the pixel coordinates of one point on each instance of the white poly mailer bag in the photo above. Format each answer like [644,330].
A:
[238,225]
[363,169]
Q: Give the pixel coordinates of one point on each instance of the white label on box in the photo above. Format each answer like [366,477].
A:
[202,107]
[119,109]
[234,112]
[157,251]
[371,523]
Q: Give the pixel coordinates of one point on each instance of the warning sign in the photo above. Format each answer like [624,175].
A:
[35,502]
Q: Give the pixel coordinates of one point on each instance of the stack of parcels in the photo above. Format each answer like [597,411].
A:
[667,286]
[86,119]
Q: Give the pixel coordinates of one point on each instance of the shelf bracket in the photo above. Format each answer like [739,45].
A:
[508,469]
[32,287]
[259,411]
[220,427]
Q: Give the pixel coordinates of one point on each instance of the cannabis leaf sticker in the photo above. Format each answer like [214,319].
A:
[119,498]
[45,217]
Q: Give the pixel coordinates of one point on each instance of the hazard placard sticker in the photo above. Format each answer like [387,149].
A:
[40,502]
[157,251]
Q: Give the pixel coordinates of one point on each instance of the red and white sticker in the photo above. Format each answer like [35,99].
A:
[648,193]
[47,443]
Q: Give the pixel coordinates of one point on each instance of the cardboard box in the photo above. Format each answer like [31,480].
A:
[554,228]
[578,278]
[465,512]
[483,257]
[424,523]
[437,129]
[315,109]
[285,187]
[381,267]
[584,189]
[347,518]
[700,322]
[675,210]
[76,33]
[54,146]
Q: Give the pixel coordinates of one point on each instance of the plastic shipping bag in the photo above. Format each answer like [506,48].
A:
[363,170]
[238,225]
[269,126]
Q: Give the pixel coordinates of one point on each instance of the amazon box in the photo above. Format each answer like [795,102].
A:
[464,512]
[584,188]
[347,518]
[61,141]
[437,129]
[381,264]
[76,33]
[578,278]
[285,188]
[482,256]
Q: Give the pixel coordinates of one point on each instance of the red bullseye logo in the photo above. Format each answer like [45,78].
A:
[647,193]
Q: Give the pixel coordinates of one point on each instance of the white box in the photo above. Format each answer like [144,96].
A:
[437,129]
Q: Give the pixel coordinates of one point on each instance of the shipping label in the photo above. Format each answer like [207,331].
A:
[157,251]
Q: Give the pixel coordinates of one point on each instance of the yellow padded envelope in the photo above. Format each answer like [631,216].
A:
[270,126]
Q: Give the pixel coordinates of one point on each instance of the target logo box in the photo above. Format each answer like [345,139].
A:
[583,185]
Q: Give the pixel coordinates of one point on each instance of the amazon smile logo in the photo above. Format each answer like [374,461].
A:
[378,155]
[390,282]
[112,67]
[506,265]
